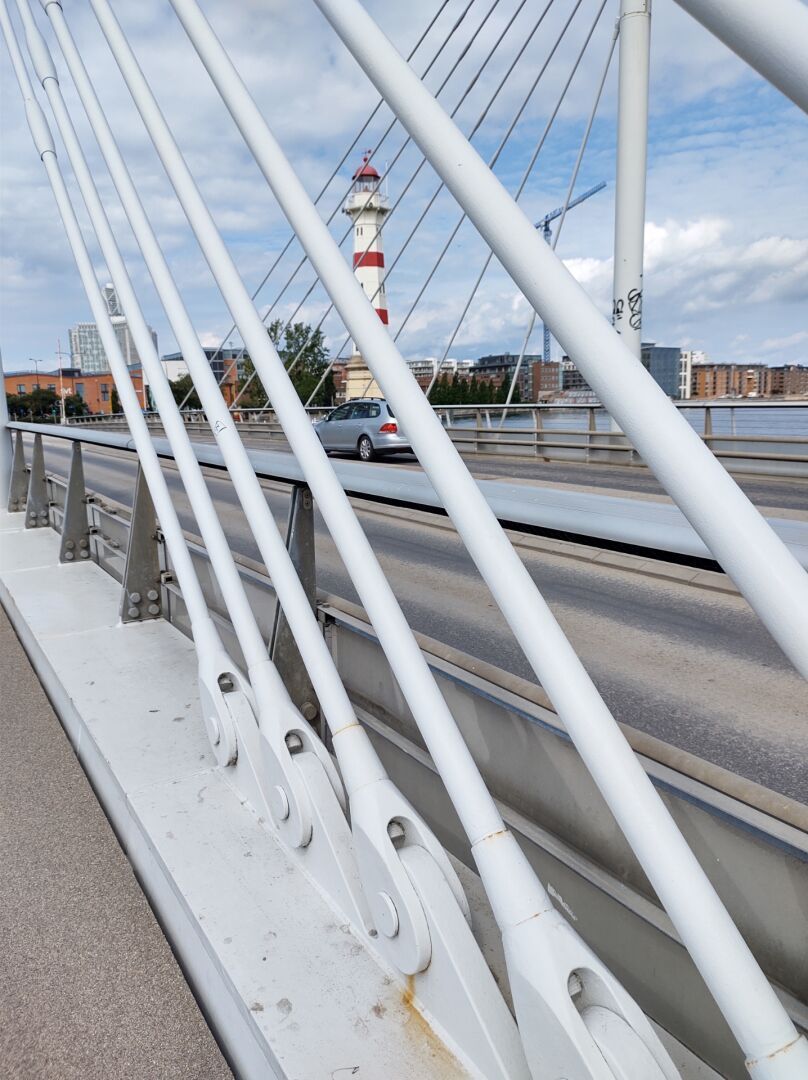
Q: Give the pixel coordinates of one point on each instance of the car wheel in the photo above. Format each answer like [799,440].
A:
[366,451]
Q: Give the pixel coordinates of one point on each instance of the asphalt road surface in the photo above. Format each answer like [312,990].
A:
[692,666]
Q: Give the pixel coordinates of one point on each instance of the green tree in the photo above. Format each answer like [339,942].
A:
[179,388]
[302,347]
[42,406]
[75,405]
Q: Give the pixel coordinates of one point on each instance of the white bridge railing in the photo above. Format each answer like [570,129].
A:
[367,847]
[576,433]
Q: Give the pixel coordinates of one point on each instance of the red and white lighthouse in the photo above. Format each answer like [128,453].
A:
[367,208]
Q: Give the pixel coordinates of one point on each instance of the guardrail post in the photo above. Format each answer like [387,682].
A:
[37,505]
[283,649]
[140,600]
[18,484]
[75,530]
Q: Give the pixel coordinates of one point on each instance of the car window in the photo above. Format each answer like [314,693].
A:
[374,410]
[390,412]
[341,413]
[361,411]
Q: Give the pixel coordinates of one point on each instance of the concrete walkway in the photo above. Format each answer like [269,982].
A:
[89,985]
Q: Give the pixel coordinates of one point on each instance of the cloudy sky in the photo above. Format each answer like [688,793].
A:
[727,233]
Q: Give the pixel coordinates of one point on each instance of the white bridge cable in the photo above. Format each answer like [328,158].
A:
[764,569]
[336,169]
[317,658]
[469,87]
[522,184]
[567,200]
[189,469]
[338,206]
[266,684]
[201,625]
[431,201]
[417,683]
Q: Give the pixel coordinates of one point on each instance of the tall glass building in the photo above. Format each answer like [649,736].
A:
[86,349]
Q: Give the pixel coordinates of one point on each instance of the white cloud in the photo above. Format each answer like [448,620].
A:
[726,194]
[776,344]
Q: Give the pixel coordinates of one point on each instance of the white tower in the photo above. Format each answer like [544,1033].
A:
[367,208]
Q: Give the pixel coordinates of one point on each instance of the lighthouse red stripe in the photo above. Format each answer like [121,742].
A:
[382,313]
[368,258]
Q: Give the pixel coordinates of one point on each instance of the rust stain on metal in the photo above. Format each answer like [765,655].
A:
[422,1029]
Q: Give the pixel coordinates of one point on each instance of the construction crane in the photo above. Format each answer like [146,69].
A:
[544,226]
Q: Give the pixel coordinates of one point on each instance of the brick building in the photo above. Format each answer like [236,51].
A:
[790,380]
[94,390]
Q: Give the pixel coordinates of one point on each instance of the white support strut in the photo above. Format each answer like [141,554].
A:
[772,37]
[632,149]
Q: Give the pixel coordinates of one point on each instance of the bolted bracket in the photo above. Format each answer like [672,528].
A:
[141,599]
[75,544]
[283,648]
[573,1014]
[18,488]
[37,506]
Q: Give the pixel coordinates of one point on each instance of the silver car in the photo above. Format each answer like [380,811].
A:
[365,426]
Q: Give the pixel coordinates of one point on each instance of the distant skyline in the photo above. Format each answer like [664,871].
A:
[727,233]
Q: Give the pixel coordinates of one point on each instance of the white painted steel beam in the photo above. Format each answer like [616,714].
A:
[632,148]
[772,37]
[667,442]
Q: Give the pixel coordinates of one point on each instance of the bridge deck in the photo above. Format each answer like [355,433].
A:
[91,987]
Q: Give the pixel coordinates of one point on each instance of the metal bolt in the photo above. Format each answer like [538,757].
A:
[152,594]
[154,609]
[280,803]
[70,544]
[294,742]
[309,710]
[395,830]
[69,556]
[134,597]
[32,516]
[133,613]
[84,542]
[386,915]
[84,554]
